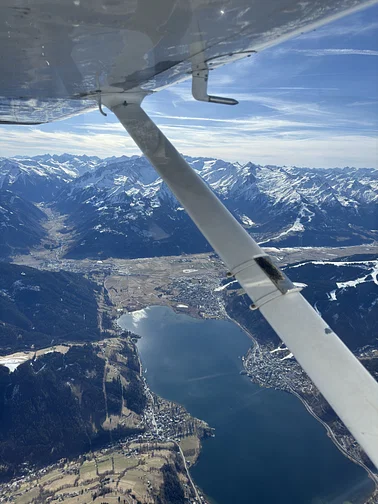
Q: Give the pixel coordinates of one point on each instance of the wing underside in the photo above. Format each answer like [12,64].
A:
[58,55]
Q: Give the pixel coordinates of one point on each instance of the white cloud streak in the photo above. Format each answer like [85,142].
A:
[335,52]
[274,103]
[253,123]
[32,141]
[332,31]
[300,147]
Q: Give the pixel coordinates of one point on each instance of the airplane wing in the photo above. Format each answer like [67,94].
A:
[57,55]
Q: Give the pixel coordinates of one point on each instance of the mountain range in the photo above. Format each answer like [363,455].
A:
[119,207]
[41,178]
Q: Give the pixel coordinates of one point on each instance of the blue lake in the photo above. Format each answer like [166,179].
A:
[268,449]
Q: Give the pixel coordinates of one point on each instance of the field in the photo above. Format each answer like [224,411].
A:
[131,472]
[142,282]
[191,447]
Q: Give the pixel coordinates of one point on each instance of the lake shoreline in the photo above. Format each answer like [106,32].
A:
[152,338]
[330,433]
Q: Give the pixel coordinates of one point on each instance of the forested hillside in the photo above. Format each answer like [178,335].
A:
[40,308]
[64,403]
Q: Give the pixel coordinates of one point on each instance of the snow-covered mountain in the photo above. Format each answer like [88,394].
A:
[123,209]
[124,202]
[119,206]
[40,178]
[300,206]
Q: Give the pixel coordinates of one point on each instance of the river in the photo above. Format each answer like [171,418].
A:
[268,449]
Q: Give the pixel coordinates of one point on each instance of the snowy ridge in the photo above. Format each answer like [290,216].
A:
[280,206]
[41,177]
[284,206]
[300,187]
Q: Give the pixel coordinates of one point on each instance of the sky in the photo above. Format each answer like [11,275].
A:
[311,101]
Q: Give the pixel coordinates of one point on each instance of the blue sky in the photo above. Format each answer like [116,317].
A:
[312,101]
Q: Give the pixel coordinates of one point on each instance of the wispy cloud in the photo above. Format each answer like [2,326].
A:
[235,141]
[181,93]
[272,102]
[25,140]
[363,103]
[284,105]
[301,88]
[253,123]
[350,29]
[110,127]
[336,52]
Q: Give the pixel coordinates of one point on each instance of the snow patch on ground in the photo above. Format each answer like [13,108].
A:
[365,265]
[136,317]
[280,348]
[374,273]
[316,309]
[289,356]
[12,362]
[332,295]
[338,263]
[247,221]
[353,283]
[222,287]
[297,227]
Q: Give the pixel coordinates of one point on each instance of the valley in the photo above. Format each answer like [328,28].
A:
[187,279]
[109,235]
[119,208]
[197,285]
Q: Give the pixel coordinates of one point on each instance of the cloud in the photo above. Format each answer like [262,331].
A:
[284,105]
[301,88]
[32,141]
[252,123]
[272,102]
[114,127]
[358,27]
[182,92]
[363,103]
[222,80]
[336,52]
[241,141]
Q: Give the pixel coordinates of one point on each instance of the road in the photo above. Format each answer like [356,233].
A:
[187,470]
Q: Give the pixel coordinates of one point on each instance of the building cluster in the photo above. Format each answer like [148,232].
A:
[197,292]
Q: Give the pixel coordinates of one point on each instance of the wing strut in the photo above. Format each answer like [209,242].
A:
[344,382]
